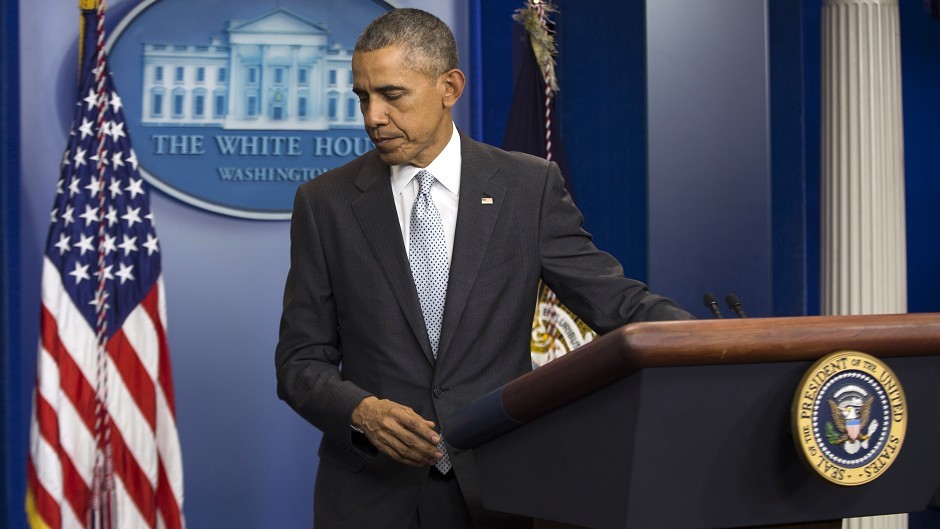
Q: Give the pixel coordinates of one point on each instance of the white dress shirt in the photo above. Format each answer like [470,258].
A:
[445,192]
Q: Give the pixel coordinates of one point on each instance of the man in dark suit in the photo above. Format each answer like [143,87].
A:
[381,336]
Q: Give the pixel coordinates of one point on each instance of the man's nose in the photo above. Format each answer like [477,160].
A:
[374,114]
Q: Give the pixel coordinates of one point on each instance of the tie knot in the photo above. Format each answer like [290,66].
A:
[425,181]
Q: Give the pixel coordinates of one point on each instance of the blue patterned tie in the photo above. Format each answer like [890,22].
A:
[430,267]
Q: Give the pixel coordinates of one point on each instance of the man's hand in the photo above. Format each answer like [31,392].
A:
[398,432]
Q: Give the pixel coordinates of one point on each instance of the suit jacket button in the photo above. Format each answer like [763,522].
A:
[438,392]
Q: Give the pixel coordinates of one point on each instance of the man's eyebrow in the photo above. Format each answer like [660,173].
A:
[384,89]
[390,88]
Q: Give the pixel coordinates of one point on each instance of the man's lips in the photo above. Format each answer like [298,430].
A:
[383,142]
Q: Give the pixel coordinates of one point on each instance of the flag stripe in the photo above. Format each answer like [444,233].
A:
[65,426]
[35,520]
[71,519]
[154,307]
[167,502]
[136,435]
[170,484]
[129,516]
[171,459]
[141,333]
[74,487]
[66,321]
[77,493]
[136,483]
[50,477]
[134,375]
[46,420]
[47,506]
[71,380]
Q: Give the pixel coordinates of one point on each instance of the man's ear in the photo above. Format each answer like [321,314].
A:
[452,83]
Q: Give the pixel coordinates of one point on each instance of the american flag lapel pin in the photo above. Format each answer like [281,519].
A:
[486,200]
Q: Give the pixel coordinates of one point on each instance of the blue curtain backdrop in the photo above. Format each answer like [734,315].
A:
[13,400]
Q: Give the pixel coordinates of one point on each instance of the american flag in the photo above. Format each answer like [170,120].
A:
[104,450]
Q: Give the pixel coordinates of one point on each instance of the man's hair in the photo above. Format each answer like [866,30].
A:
[428,42]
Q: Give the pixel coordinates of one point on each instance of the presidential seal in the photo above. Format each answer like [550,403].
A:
[849,416]
[556,331]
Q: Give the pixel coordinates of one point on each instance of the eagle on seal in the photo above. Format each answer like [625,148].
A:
[851,420]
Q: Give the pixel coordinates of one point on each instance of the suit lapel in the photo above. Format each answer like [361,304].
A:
[475,222]
[378,219]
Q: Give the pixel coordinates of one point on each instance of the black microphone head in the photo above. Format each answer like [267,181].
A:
[735,304]
[712,303]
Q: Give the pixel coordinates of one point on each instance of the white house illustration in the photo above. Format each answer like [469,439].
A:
[277,71]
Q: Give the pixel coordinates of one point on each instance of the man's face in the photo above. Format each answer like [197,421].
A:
[406,114]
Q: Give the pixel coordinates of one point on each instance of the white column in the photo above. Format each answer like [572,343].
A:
[864,250]
[263,83]
[293,88]
[863,241]
[235,91]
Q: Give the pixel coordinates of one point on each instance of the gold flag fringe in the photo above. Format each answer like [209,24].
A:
[534,18]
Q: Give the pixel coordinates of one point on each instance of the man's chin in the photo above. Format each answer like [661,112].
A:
[391,157]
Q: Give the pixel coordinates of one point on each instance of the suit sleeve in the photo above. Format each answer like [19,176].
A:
[308,353]
[588,281]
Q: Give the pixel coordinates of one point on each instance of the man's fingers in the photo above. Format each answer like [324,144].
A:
[372,411]
[398,431]
[415,424]
[405,447]
[408,440]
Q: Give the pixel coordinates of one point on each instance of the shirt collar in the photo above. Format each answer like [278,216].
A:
[445,168]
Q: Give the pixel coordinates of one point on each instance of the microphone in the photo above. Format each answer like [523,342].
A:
[712,303]
[735,304]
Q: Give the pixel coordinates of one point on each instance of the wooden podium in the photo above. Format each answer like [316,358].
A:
[688,425]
